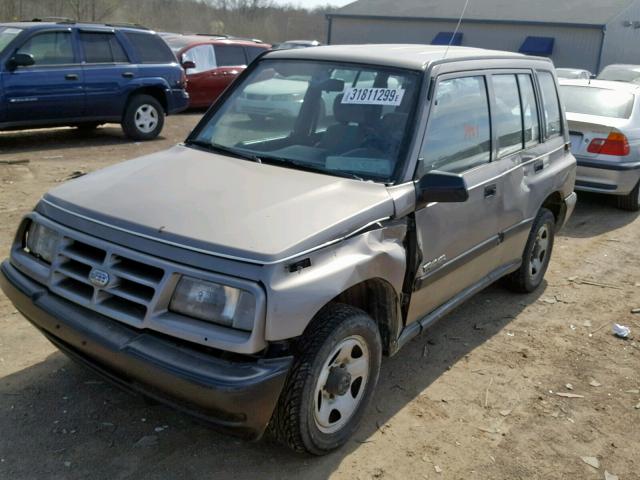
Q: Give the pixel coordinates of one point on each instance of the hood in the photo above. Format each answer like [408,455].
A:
[276,86]
[226,206]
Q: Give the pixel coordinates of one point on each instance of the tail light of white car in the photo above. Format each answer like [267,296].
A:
[615,144]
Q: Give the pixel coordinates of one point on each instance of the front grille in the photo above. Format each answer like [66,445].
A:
[129,293]
[256,96]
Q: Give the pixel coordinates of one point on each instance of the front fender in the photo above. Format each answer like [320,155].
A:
[293,299]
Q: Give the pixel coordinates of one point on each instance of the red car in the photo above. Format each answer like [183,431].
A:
[216,62]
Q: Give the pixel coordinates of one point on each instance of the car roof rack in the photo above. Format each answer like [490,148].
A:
[127,25]
[70,21]
[51,19]
[227,36]
[219,35]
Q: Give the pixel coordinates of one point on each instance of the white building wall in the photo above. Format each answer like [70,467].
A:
[622,41]
[574,46]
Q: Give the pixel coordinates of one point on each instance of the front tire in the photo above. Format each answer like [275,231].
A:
[630,202]
[536,256]
[331,381]
[143,118]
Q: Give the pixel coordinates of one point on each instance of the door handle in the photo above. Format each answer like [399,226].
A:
[127,74]
[490,190]
[71,76]
[538,166]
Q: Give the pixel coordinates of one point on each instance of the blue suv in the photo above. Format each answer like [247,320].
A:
[84,75]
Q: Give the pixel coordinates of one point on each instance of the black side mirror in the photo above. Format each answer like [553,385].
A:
[442,187]
[20,60]
[187,64]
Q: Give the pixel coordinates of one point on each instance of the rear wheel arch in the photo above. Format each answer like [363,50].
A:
[156,92]
[555,204]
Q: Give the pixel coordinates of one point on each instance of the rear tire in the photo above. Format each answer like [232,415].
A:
[630,202]
[331,381]
[536,256]
[143,118]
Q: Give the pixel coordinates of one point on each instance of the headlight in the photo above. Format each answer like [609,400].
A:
[215,303]
[41,241]
[287,97]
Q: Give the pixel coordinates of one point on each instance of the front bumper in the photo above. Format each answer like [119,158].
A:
[613,178]
[267,108]
[236,396]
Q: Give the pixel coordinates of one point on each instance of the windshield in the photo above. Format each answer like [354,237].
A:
[338,119]
[7,34]
[620,74]
[597,101]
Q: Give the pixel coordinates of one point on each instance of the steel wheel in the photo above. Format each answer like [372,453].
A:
[539,251]
[146,118]
[341,384]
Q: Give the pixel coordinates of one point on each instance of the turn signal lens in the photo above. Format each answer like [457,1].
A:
[615,144]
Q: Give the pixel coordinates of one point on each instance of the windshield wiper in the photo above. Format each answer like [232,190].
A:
[309,168]
[273,160]
[216,147]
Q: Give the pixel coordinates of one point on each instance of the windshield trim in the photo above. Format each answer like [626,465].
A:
[396,177]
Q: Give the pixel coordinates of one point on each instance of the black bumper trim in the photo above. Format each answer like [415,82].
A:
[616,166]
[596,185]
[238,397]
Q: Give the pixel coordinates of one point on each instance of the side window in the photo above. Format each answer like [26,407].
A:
[529,110]
[551,105]
[52,48]
[458,133]
[230,55]
[507,114]
[203,56]
[150,47]
[102,48]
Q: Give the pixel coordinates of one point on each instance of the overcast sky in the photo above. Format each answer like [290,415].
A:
[314,3]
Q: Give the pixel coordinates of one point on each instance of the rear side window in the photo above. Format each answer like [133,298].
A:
[551,105]
[597,101]
[529,110]
[102,48]
[507,115]
[458,135]
[51,48]
[203,56]
[230,55]
[150,48]
[253,52]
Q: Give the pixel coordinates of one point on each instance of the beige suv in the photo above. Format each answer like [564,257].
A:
[257,274]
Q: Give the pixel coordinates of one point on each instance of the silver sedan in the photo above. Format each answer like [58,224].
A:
[604,123]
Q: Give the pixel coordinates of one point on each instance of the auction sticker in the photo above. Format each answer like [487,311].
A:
[373,96]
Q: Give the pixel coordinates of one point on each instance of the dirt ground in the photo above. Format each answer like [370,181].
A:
[476,397]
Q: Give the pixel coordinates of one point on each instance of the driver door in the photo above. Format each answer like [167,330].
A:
[50,90]
[457,242]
